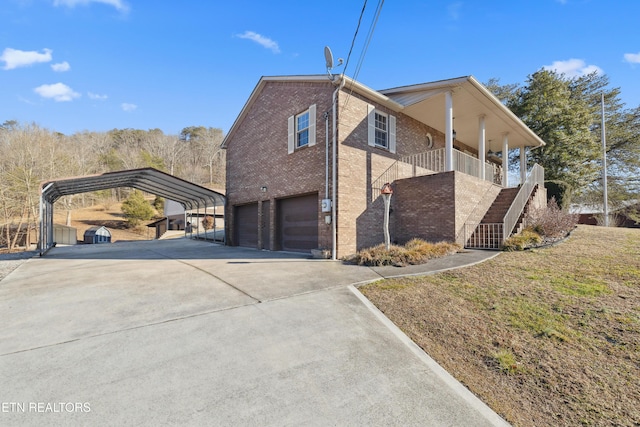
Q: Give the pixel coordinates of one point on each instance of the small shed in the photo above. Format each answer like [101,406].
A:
[65,235]
[97,235]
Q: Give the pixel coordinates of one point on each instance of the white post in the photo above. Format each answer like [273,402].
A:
[448,132]
[505,160]
[481,145]
[523,164]
[387,204]
[604,169]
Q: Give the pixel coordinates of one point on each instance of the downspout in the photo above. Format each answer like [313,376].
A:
[326,152]
[334,167]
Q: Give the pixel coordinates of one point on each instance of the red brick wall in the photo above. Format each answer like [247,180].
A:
[360,208]
[436,207]
[424,207]
[474,197]
[257,154]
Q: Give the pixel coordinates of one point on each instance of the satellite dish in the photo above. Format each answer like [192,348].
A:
[328,56]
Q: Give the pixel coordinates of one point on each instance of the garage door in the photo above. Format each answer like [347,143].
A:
[298,223]
[246,219]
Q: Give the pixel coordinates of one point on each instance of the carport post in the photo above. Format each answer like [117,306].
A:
[205,216]
[41,243]
[214,221]
[46,221]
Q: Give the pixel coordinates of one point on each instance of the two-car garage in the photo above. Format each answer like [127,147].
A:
[295,224]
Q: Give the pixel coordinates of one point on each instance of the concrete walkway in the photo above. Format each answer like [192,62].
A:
[181,332]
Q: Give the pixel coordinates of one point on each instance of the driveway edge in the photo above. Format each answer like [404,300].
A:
[473,400]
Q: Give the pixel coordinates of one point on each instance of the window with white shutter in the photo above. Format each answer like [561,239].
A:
[381,129]
[302,129]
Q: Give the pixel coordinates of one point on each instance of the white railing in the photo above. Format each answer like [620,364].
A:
[534,178]
[433,161]
[484,236]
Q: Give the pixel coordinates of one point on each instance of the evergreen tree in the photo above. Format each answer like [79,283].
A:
[136,208]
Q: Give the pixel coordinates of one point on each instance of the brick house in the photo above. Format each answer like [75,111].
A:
[300,137]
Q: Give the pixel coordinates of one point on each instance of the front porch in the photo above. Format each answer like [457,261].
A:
[469,205]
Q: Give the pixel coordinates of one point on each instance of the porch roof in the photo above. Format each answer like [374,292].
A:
[426,103]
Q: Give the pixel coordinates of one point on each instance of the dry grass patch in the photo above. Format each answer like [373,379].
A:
[545,337]
[415,251]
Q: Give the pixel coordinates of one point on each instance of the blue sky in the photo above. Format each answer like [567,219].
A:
[74,65]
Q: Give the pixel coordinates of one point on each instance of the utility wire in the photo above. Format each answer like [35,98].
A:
[353,41]
[369,37]
[364,49]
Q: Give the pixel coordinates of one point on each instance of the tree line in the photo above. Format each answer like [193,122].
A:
[30,154]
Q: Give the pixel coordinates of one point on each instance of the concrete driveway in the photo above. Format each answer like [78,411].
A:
[181,332]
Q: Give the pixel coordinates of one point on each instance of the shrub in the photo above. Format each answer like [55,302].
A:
[207,222]
[415,251]
[526,239]
[551,221]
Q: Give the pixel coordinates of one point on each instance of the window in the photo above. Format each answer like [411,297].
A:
[302,129]
[382,129]
[381,138]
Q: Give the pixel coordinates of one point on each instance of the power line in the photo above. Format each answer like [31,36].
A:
[365,47]
[353,41]
[368,40]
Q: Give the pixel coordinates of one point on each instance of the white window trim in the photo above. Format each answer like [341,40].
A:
[391,131]
[292,131]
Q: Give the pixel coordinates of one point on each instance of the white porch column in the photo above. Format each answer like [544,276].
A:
[448,132]
[481,145]
[523,164]
[505,160]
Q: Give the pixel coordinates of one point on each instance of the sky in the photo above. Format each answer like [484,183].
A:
[97,65]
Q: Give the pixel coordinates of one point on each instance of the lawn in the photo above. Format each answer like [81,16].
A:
[544,337]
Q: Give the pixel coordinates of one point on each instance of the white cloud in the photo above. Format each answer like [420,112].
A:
[632,58]
[14,58]
[263,41]
[118,4]
[92,95]
[128,107]
[573,68]
[58,92]
[61,67]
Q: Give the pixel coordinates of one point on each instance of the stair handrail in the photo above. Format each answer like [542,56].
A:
[534,178]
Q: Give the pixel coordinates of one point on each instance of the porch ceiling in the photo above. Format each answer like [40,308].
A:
[426,103]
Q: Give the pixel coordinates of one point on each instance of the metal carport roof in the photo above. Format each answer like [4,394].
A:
[153,181]
[188,194]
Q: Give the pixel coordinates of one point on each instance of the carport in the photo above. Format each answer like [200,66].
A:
[189,195]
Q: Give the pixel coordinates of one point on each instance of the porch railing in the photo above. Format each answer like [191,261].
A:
[431,162]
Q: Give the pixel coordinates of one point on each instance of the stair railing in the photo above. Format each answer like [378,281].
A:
[534,178]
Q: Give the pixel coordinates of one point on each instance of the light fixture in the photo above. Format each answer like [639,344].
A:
[454,128]
[263,189]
